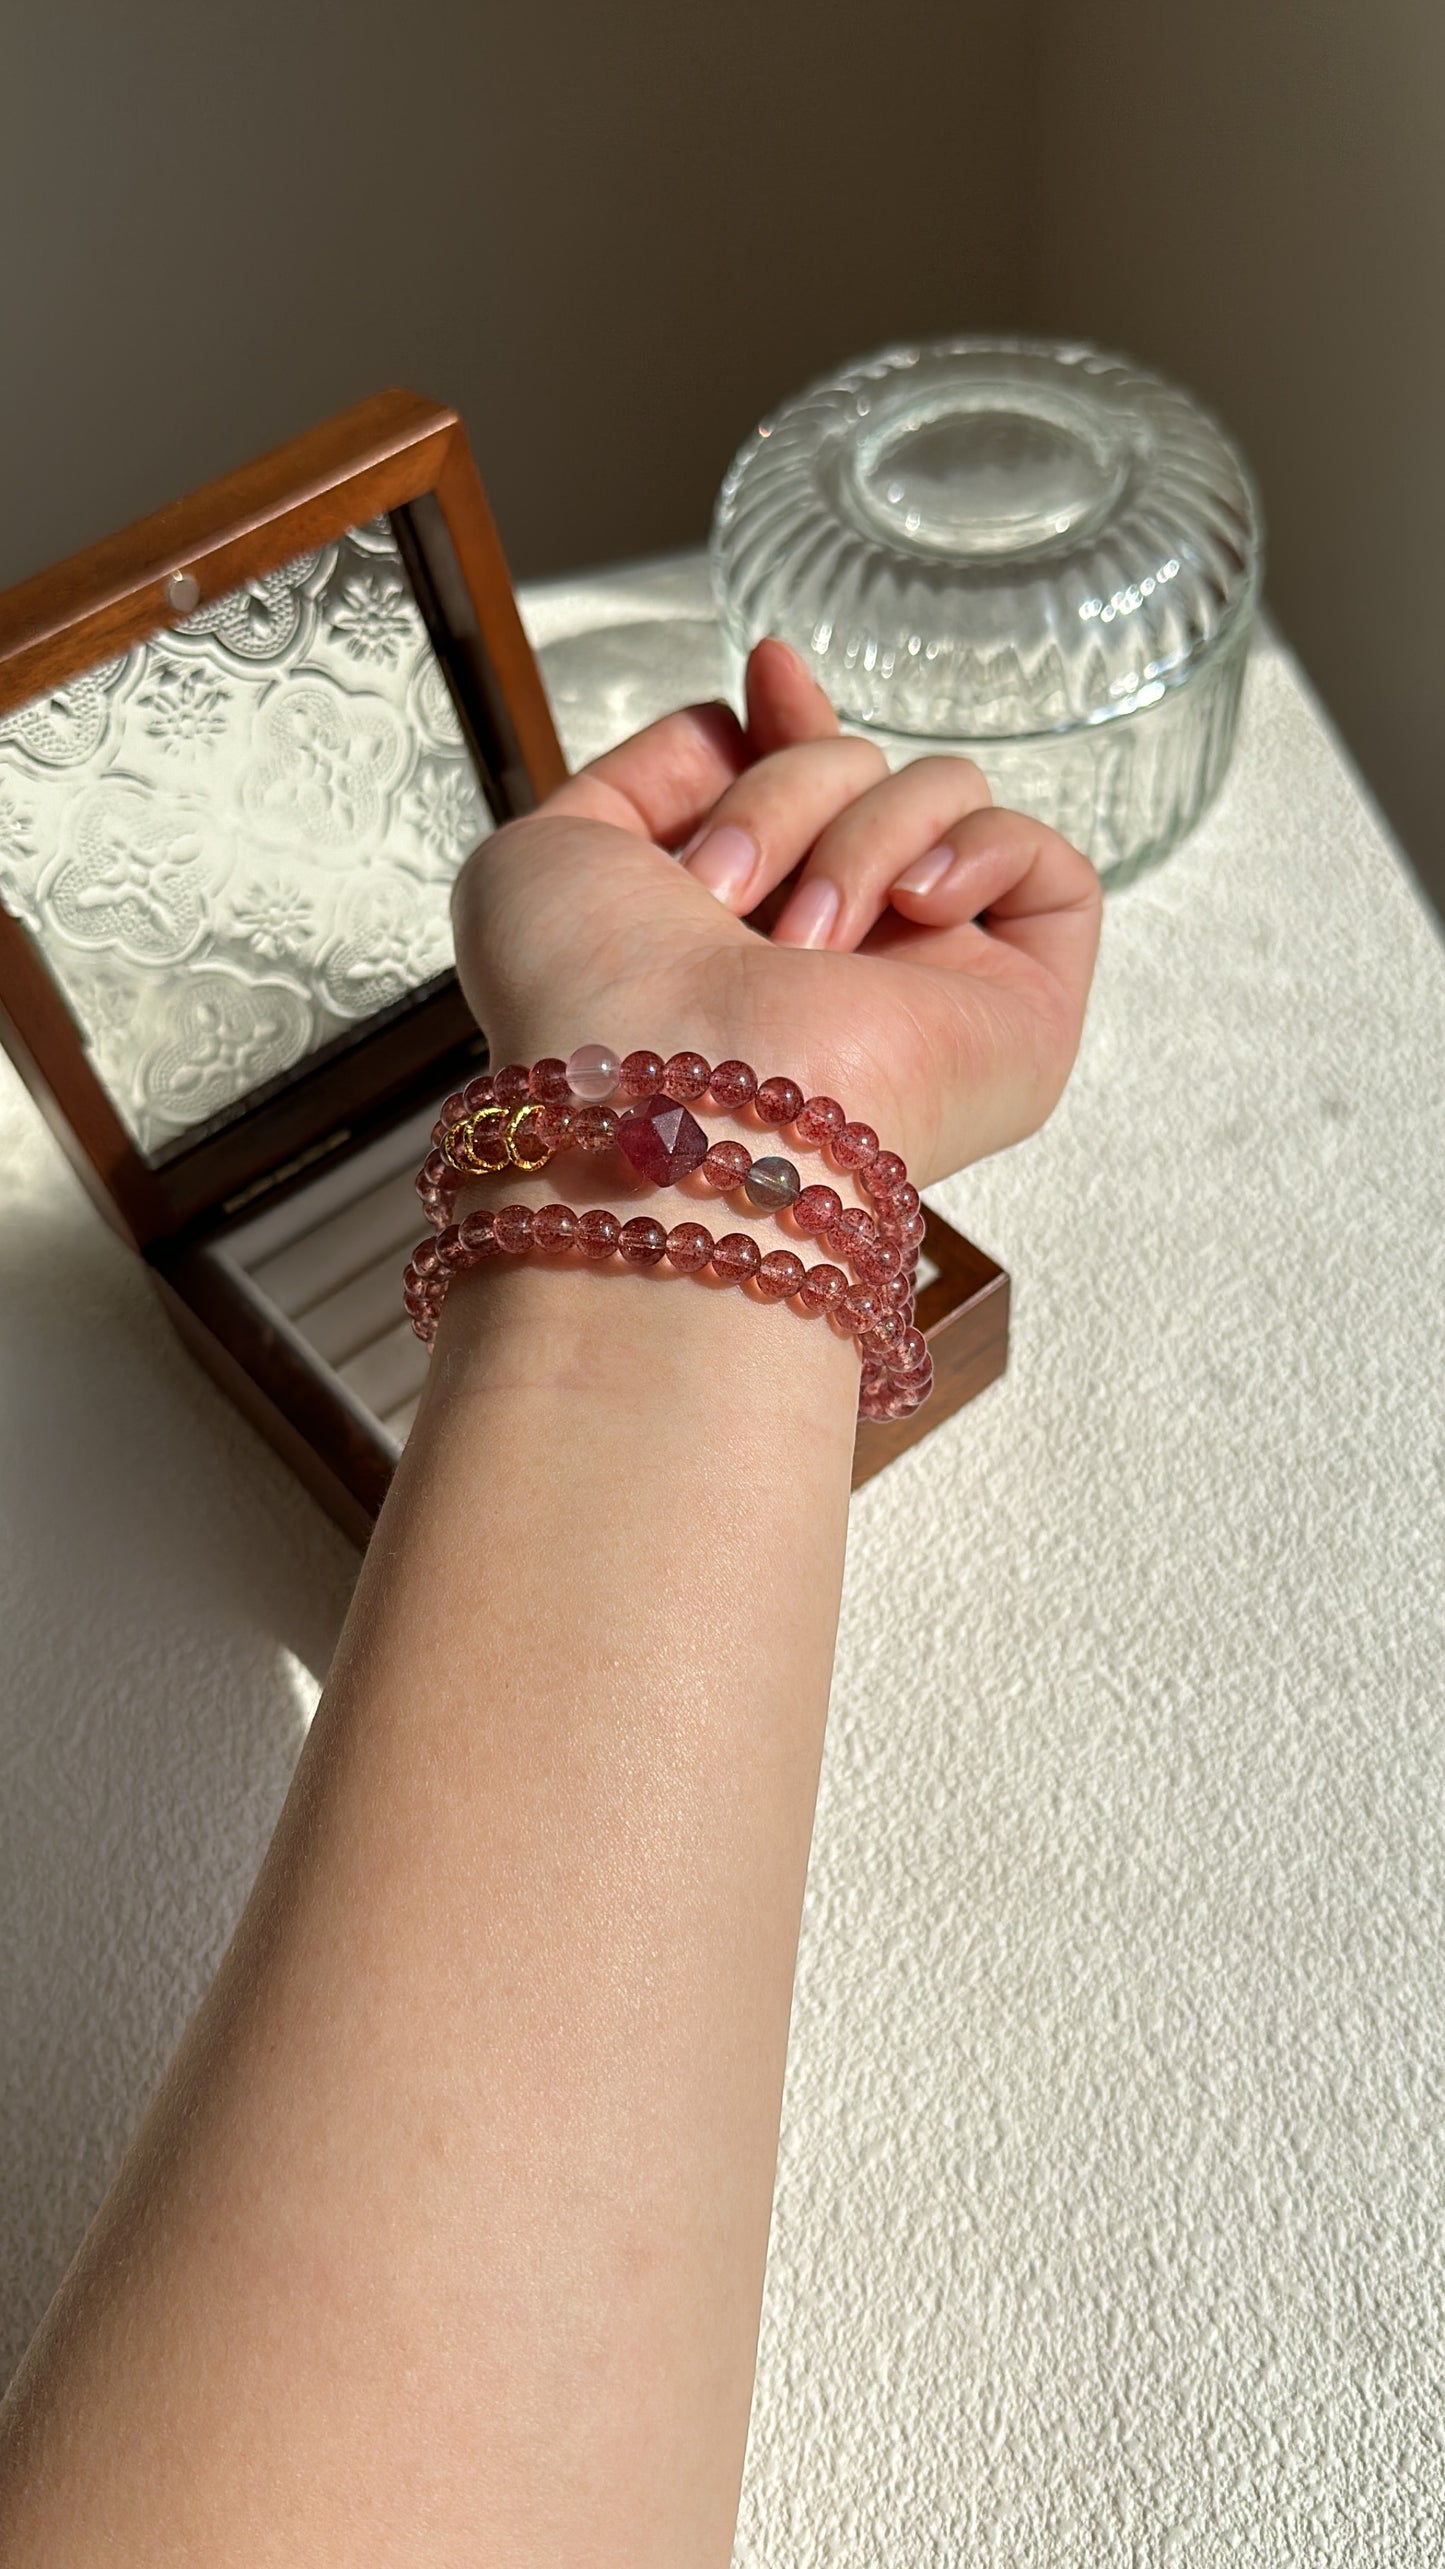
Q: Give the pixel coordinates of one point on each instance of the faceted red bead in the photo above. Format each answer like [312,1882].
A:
[726,1166]
[910,1350]
[689,1247]
[598,1233]
[736,1256]
[662,1140]
[819,1117]
[643,1241]
[877,1261]
[821,1288]
[478,1235]
[780,1275]
[594,1128]
[778,1101]
[858,1309]
[883,1174]
[854,1147]
[817,1209]
[512,1226]
[554,1227]
[511,1083]
[641,1073]
[547,1080]
[685,1076]
[478,1092]
[734,1083]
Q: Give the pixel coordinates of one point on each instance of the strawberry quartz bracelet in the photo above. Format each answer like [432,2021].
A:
[519,1118]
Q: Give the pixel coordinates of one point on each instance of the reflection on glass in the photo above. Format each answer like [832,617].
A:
[239,840]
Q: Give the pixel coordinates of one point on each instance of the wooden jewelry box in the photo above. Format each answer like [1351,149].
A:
[244,746]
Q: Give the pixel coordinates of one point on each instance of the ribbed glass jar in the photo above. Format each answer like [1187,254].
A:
[1026,550]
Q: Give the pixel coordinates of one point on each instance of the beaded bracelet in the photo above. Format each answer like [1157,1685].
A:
[520,1118]
[897,1367]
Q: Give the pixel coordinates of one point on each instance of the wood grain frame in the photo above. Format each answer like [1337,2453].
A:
[397,455]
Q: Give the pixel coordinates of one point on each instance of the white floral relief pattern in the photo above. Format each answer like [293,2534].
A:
[239,839]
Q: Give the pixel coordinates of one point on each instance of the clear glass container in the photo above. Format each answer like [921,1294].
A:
[1026,550]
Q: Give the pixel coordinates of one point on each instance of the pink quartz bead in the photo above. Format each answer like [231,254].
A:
[778,1101]
[726,1166]
[529,1134]
[821,1288]
[643,1241]
[735,1257]
[900,1289]
[598,1233]
[453,1109]
[734,1083]
[478,1092]
[817,1209]
[689,1247]
[547,1080]
[640,1074]
[594,1128]
[910,1350]
[593,1071]
[883,1174]
[554,1227]
[858,1309]
[434,1172]
[512,1228]
[685,1076]
[425,1259]
[905,1199]
[449,1246]
[510,1083]
[780,1275]
[854,1147]
[818,1118]
[479,1235]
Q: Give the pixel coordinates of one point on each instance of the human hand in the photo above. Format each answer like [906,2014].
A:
[947,1016]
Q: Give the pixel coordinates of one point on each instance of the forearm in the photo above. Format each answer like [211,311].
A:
[445,2239]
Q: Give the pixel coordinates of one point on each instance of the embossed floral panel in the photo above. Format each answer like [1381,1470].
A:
[238,841]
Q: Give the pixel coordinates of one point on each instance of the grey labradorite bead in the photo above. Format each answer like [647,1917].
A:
[770,1184]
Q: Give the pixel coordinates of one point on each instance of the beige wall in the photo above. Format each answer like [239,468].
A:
[614,235]
[1252,193]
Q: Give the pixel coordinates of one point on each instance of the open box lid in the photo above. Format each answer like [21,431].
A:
[244,747]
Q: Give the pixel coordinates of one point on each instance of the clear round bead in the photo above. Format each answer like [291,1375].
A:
[592,1072]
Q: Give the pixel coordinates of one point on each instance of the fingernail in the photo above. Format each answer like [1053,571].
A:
[925,871]
[809,915]
[724,860]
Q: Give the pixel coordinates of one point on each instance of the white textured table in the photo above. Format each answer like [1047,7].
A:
[1110,2224]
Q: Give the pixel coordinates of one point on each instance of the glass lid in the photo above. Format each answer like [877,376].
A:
[989,538]
[236,843]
